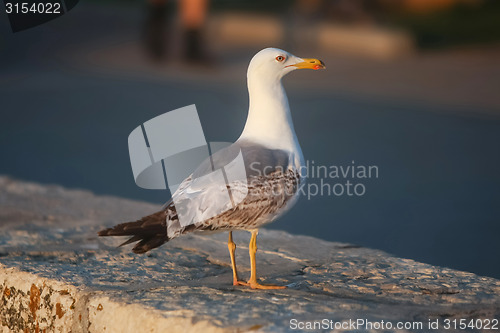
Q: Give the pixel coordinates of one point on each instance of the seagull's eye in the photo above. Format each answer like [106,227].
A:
[280,58]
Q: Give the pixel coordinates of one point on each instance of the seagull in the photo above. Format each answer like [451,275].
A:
[273,165]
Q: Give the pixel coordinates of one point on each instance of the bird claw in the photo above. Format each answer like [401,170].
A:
[256,285]
[240,283]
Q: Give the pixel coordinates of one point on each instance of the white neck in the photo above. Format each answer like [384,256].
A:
[269,120]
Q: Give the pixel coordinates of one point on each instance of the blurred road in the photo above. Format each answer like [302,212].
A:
[72,90]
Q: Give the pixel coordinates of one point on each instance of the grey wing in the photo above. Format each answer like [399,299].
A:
[241,186]
[268,197]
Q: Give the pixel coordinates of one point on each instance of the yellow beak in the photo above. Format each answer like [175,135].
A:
[311,64]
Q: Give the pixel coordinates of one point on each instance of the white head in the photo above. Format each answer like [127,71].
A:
[269,121]
[272,63]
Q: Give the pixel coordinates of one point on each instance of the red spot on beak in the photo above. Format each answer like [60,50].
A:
[316,67]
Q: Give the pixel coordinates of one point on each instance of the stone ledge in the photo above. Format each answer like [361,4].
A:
[57,276]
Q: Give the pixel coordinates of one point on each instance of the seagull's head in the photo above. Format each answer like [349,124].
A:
[275,63]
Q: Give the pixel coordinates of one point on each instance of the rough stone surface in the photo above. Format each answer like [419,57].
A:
[56,275]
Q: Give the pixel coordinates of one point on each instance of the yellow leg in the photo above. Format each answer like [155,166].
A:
[252,249]
[232,248]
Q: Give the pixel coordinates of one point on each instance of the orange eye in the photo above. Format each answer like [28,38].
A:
[280,58]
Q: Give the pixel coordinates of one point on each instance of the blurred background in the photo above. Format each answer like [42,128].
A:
[411,86]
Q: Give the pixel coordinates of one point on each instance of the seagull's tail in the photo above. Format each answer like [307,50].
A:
[150,231]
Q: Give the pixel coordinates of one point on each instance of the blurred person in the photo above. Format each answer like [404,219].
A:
[155,28]
[192,15]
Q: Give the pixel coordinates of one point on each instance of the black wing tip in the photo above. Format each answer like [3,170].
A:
[105,232]
[115,231]
[150,232]
[147,244]
[140,250]
[133,239]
